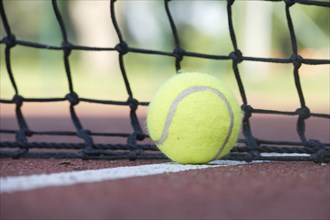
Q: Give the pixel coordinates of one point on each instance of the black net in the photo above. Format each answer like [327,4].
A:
[248,148]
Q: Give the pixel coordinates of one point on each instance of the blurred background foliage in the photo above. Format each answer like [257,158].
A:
[260,26]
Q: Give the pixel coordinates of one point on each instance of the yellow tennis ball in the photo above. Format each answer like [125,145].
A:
[194,118]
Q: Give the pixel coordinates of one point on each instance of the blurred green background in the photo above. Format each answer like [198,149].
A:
[261,31]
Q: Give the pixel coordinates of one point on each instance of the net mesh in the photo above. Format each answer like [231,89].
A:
[248,148]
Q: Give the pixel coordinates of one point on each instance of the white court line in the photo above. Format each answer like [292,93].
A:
[22,183]
[284,155]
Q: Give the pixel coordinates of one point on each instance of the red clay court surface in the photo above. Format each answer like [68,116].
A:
[272,190]
[277,190]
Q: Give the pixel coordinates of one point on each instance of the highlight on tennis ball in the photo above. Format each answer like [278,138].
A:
[194,118]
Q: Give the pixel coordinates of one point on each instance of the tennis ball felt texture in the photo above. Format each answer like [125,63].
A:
[194,118]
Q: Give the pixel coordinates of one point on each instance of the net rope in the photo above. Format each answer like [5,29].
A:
[248,148]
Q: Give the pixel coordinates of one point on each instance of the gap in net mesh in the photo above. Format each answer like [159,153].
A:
[200,26]
[279,93]
[90,28]
[146,73]
[323,131]
[133,16]
[315,82]
[307,26]
[45,76]
[262,34]
[96,75]
[284,126]
[29,28]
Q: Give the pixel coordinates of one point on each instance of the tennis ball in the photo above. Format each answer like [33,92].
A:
[194,118]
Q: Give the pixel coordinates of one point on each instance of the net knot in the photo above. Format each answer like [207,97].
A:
[10,40]
[22,134]
[122,48]
[296,60]
[303,112]
[132,138]
[73,98]
[290,2]
[251,142]
[178,53]
[322,156]
[133,103]
[247,109]
[86,136]
[131,141]
[140,136]
[314,144]
[236,56]
[133,155]
[83,133]
[67,47]
[18,100]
